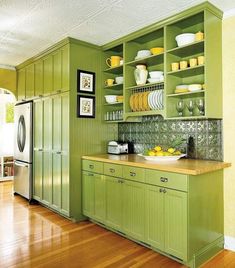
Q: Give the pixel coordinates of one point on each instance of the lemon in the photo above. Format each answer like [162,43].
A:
[167,154]
[151,153]
[177,153]
[159,153]
[171,150]
[158,148]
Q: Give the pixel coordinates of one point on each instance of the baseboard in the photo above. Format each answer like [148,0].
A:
[229,243]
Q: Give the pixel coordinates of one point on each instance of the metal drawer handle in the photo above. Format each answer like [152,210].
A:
[58,152]
[162,179]
[112,170]
[162,190]
[132,174]
[90,174]
[91,166]
[120,181]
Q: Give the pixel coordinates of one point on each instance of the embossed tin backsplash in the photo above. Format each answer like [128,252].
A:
[206,135]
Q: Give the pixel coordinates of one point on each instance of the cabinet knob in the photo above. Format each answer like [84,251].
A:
[90,174]
[40,150]
[58,91]
[112,170]
[91,166]
[58,152]
[162,179]
[132,174]
[162,190]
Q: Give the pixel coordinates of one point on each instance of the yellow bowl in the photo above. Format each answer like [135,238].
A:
[156,50]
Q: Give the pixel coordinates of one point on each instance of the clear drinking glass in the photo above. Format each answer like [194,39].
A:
[190,106]
[180,107]
[201,106]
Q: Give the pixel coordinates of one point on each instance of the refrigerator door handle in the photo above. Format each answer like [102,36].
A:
[20,164]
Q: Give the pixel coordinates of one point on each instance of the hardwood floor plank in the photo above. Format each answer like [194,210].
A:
[33,236]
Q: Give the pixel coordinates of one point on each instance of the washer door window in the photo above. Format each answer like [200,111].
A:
[21,134]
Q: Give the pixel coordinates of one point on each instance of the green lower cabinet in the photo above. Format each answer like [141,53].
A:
[133,197]
[88,193]
[65,192]
[38,173]
[154,217]
[47,178]
[114,202]
[175,223]
[99,198]
[56,181]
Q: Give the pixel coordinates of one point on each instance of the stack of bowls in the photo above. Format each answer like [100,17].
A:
[156,76]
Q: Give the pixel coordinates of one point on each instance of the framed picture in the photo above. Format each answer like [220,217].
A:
[85,106]
[85,82]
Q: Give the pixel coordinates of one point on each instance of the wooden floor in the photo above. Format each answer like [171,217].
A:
[33,236]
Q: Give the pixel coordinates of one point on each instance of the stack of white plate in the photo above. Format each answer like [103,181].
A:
[155,100]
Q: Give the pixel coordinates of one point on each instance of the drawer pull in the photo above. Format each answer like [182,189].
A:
[162,179]
[90,174]
[120,181]
[91,166]
[162,190]
[132,174]
[112,170]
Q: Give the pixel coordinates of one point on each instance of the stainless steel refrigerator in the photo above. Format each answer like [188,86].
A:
[23,151]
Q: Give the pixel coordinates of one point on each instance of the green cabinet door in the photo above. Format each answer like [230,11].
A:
[56,152]
[134,209]
[57,71]
[99,198]
[38,147]
[47,151]
[38,78]
[65,68]
[29,81]
[21,85]
[175,212]
[65,192]
[114,202]
[48,75]
[154,217]
[88,193]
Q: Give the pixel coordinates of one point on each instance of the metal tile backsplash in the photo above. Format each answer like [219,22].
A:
[153,130]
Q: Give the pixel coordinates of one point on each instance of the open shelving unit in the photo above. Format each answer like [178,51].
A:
[6,168]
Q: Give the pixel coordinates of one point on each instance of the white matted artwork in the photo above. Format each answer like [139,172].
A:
[85,106]
[85,82]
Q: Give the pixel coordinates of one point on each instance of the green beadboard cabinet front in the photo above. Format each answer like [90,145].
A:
[21,85]
[29,77]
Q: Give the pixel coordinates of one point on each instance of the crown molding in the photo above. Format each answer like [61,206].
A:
[8,67]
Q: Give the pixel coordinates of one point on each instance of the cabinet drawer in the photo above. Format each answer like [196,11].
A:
[167,179]
[93,166]
[113,170]
[134,173]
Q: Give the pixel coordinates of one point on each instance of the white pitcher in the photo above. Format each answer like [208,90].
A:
[140,74]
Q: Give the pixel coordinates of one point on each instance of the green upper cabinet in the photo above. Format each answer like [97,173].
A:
[29,81]
[57,71]
[65,68]
[38,78]
[48,75]
[21,85]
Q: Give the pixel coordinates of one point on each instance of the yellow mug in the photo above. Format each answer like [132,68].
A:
[199,36]
[174,66]
[183,64]
[193,62]
[200,60]
[109,82]
[113,61]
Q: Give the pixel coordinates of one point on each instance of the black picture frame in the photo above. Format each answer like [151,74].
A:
[85,106]
[85,82]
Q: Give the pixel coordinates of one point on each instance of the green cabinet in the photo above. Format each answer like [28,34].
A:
[21,85]
[88,193]
[38,78]
[47,75]
[29,81]
[166,220]
[114,202]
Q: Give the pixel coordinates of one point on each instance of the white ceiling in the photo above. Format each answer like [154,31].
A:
[30,26]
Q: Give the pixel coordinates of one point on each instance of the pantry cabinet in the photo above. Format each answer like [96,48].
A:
[167,211]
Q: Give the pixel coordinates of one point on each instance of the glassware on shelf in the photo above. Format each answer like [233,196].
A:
[180,107]
[201,106]
[190,106]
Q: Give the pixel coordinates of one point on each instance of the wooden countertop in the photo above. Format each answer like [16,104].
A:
[184,166]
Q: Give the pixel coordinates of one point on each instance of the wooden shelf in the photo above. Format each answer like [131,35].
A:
[184,51]
[112,104]
[199,69]
[185,93]
[150,60]
[114,70]
[114,87]
[146,85]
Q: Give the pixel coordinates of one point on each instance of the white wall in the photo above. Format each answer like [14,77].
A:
[6,129]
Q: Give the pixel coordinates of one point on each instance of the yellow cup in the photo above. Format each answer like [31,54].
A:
[183,64]
[193,62]
[113,61]
[199,36]
[109,82]
[174,66]
[200,60]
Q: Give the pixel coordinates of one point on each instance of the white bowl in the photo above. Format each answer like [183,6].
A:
[111,98]
[119,80]
[156,74]
[143,53]
[181,87]
[185,39]
[194,87]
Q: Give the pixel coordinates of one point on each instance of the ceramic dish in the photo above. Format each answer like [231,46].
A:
[185,39]
[162,158]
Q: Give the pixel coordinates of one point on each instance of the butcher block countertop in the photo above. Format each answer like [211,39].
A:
[183,166]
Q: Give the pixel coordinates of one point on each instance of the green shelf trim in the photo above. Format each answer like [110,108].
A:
[190,46]
[187,117]
[146,85]
[185,93]
[115,86]
[113,104]
[198,68]
[114,70]
[146,59]
[142,113]
[113,121]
